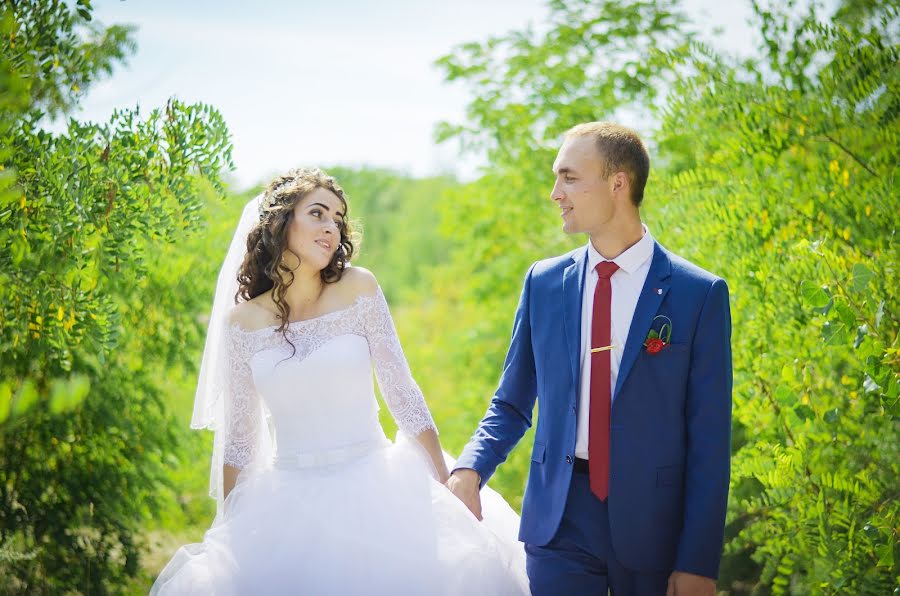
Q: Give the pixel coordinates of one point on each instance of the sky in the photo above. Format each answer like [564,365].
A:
[343,82]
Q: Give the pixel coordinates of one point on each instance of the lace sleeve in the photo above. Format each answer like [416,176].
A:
[401,393]
[242,405]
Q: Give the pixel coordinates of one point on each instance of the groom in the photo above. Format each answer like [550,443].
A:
[627,347]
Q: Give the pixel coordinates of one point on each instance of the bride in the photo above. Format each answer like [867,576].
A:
[312,498]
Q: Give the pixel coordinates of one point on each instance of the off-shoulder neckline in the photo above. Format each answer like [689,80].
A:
[356,301]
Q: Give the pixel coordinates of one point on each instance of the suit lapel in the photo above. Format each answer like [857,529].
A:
[573,282]
[655,288]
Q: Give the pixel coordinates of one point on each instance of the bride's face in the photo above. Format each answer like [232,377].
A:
[315,232]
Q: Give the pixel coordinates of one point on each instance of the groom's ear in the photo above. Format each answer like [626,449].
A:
[621,183]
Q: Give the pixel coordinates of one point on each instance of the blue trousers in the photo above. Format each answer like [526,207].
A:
[579,560]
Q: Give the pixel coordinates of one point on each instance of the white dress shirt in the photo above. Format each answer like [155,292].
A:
[627,283]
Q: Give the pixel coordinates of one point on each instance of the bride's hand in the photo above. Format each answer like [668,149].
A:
[465,484]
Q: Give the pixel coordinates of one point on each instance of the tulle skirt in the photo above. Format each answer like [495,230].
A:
[378,523]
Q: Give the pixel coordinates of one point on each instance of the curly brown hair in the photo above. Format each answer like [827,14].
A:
[263,268]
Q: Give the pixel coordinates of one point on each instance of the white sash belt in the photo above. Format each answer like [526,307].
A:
[330,457]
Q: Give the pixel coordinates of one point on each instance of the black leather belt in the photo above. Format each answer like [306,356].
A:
[581,466]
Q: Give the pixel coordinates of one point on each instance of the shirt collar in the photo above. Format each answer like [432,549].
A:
[632,259]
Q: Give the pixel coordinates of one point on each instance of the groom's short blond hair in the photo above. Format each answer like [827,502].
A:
[621,150]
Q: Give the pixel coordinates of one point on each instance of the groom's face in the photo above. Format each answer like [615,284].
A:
[584,196]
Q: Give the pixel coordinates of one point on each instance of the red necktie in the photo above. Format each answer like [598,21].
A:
[601,391]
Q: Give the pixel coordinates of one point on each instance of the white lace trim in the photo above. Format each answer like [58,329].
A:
[369,317]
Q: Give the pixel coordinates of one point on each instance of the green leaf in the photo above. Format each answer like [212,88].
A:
[5,400]
[834,333]
[25,399]
[788,374]
[861,332]
[847,316]
[65,394]
[861,277]
[804,412]
[870,386]
[814,296]
[785,396]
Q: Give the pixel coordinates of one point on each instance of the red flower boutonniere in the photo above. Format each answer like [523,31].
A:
[657,339]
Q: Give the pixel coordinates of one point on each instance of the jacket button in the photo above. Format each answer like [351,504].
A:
[568,459]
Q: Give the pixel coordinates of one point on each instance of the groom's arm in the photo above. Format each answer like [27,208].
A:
[510,411]
[708,414]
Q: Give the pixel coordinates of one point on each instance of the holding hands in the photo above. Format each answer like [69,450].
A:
[688,584]
[465,483]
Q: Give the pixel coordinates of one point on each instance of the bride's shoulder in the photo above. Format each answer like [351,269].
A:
[357,282]
[251,315]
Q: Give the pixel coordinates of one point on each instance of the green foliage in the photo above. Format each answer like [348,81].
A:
[592,59]
[792,183]
[179,284]
[398,220]
[777,173]
[51,55]
[85,328]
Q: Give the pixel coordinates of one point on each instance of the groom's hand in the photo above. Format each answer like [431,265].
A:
[465,483]
[688,584]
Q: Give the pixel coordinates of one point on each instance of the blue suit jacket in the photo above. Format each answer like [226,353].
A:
[670,423]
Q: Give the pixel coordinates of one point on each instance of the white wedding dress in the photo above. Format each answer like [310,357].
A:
[339,509]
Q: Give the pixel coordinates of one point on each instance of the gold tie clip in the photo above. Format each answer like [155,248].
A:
[603,349]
